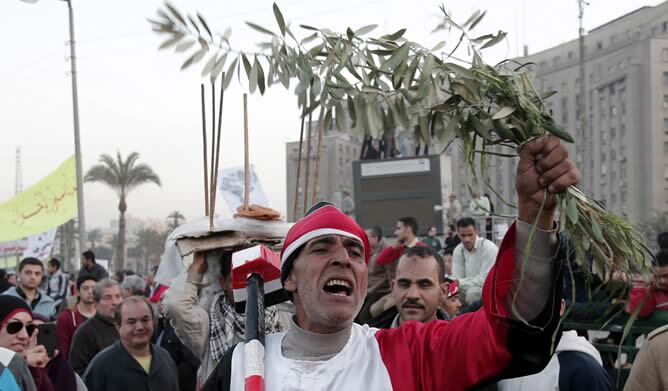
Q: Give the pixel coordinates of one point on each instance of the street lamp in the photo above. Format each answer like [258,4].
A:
[77,138]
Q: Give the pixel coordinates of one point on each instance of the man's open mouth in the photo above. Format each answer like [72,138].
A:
[338,287]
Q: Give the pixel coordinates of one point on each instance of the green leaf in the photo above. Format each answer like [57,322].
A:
[438,46]
[253,77]
[394,36]
[309,38]
[260,28]
[194,24]
[279,19]
[193,59]
[449,131]
[459,70]
[182,47]
[172,41]
[230,73]
[365,29]
[498,38]
[206,26]
[596,230]
[477,20]
[503,112]
[260,75]
[307,27]
[547,94]
[218,68]
[572,210]
[209,66]
[175,13]
[399,56]
[340,117]
[423,122]
[247,64]
[350,33]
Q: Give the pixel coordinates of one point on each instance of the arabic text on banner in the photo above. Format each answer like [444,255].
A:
[45,205]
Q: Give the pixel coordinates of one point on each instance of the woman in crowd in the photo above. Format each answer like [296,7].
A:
[19,334]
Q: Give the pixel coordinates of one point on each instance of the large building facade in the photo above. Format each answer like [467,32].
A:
[622,150]
[335,183]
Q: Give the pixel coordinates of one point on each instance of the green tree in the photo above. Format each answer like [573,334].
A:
[150,244]
[122,176]
[173,219]
[94,236]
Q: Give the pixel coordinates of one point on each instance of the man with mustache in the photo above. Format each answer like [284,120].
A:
[417,288]
[324,272]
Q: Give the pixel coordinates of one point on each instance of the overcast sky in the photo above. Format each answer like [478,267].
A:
[133,97]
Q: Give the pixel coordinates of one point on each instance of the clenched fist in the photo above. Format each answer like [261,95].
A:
[544,167]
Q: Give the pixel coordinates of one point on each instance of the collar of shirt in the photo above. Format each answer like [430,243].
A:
[412,243]
[34,302]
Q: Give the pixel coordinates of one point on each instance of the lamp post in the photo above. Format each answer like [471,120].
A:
[77,139]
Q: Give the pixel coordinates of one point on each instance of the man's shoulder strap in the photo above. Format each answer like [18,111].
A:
[658,331]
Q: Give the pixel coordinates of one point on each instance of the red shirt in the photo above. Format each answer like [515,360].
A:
[391,254]
[653,298]
[67,323]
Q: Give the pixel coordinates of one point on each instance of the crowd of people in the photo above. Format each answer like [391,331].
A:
[366,311]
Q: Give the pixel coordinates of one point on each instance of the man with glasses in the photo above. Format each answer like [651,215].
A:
[98,332]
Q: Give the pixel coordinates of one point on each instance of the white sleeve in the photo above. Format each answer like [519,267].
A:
[190,321]
[458,271]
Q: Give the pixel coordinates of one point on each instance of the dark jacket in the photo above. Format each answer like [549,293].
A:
[185,360]
[114,369]
[91,338]
[97,270]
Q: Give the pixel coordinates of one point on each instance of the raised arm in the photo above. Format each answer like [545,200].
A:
[190,321]
[512,334]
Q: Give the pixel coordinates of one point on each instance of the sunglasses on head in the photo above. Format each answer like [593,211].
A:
[15,327]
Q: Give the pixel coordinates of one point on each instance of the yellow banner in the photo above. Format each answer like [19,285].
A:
[47,204]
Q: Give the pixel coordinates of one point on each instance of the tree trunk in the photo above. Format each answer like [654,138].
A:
[120,251]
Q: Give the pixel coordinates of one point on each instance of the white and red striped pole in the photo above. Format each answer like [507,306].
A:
[254,270]
[254,346]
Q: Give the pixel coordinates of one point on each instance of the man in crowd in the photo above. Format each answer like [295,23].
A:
[56,283]
[380,276]
[89,266]
[662,241]
[575,365]
[450,302]
[472,259]
[447,260]
[71,318]
[209,332]
[432,241]
[417,288]
[406,233]
[133,363]
[323,269]
[12,279]
[132,286]
[653,296]
[98,332]
[479,208]
[451,240]
[648,372]
[454,211]
[151,284]
[31,272]
[4,284]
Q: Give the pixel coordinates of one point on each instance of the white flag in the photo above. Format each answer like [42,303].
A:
[40,245]
[231,184]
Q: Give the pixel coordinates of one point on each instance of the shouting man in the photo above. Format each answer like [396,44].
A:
[324,271]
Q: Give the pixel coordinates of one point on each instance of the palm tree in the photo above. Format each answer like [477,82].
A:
[94,236]
[122,176]
[175,216]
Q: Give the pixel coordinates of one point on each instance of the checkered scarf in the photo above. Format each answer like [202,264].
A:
[226,323]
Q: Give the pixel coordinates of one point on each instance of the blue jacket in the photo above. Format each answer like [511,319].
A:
[44,305]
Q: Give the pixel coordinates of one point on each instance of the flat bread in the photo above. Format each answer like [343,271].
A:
[258,212]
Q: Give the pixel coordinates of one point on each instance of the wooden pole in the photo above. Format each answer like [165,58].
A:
[318,152]
[299,167]
[212,188]
[206,174]
[308,165]
[246,165]
[220,121]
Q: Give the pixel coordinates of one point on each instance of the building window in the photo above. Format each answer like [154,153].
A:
[664,26]
[665,78]
[599,45]
[622,130]
[603,157]
[613,133]
[664,55]
[665,125]
[570,54]
[604,169]
[613,111]
[613,155]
